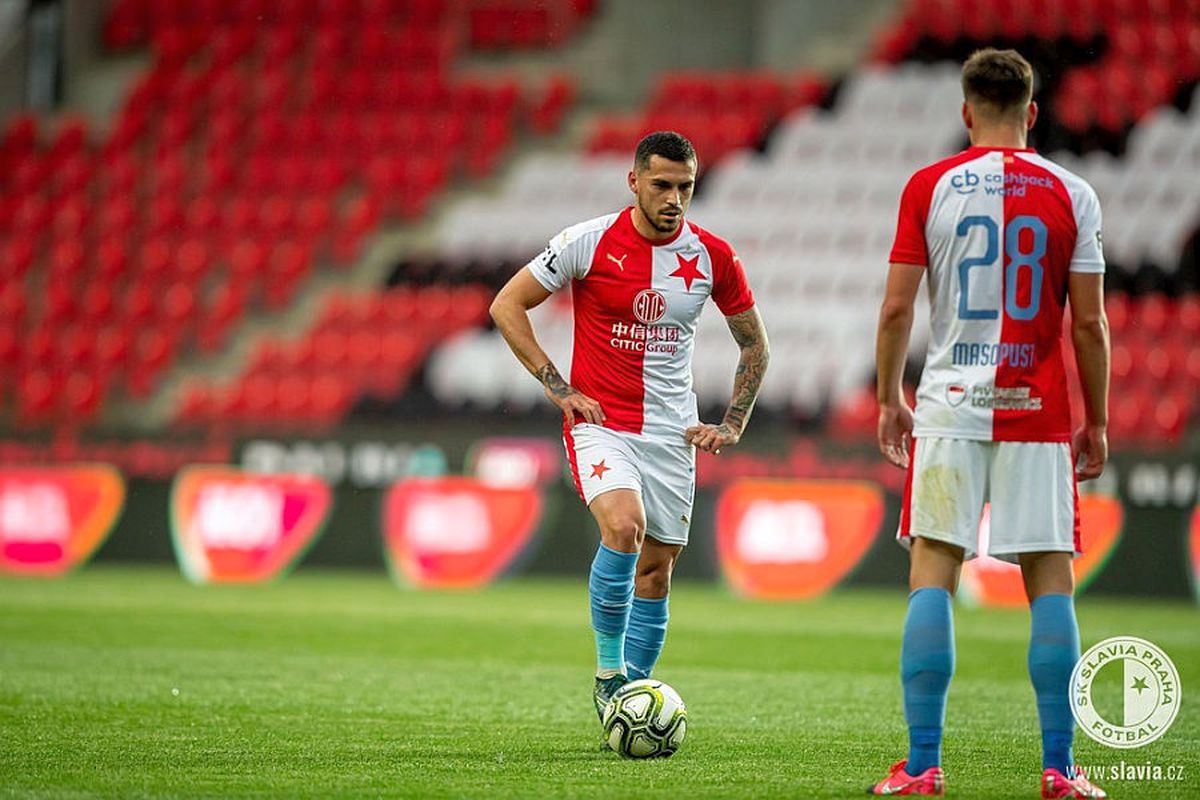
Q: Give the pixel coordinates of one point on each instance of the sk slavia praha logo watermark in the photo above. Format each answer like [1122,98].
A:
[1125,692]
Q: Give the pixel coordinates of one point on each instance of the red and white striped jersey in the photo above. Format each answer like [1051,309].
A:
[999,230]
[636,305]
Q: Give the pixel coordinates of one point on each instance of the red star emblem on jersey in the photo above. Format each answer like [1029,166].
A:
[598,470]
[688,270]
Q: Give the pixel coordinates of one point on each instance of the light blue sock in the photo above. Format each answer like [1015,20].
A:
[1053,651]
[926,665]
[647,632]
[610,589]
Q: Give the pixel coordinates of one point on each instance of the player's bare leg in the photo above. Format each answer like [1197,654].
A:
[1053,651]
[654,568]
[622,521]
[934,564]
[926,666]
[649,615]
[1047,573]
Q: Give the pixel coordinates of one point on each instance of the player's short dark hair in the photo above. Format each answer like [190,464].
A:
[1000,79]
[668,144]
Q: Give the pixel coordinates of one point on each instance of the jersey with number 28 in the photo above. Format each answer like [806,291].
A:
[998,230]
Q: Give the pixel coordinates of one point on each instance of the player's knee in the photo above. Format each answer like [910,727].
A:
[624,532]
[654,578]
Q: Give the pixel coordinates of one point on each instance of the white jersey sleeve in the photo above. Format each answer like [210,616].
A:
[1089,254]
[568,256]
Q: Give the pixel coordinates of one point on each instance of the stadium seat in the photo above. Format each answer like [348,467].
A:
[229,173]
[359,345]
[719,112]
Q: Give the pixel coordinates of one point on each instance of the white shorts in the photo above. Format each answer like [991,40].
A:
[1030,485]
[664,474]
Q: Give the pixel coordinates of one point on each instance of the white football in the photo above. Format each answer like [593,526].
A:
[645,719]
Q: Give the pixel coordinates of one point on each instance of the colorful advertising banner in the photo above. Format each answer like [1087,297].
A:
[791,540]
[990,581]
[230,526]
[52,519]
[515,461]
[456,532]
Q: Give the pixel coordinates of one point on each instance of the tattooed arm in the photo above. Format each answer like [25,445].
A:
[510,312]
[751,336]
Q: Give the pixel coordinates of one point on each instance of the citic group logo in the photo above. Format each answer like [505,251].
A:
[649,306]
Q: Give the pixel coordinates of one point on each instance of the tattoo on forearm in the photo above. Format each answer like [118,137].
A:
[748,332]
[553,381]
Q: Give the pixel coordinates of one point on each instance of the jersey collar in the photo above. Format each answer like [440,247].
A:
[982,149]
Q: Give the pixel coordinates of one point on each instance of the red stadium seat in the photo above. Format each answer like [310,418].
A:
[84,394]
[341,312]
[229,164]
[1122,364]
[330,349]
[1187,317]
[140,305]
[547,111]
[20,135]
[197,403]
[178,306]
[469,308]
[314,218]
[1168,421]
[226,305]
[293,396]
[1157,365]
[1152,315]
[113,344]
[276,217]
[1117,309]
[10,350]
[36,402]
[99,302]
[1191,366]
[363,353]
[331,399]
[16,257]
[1126,414]
[14,304]
[74,174]
[260,398]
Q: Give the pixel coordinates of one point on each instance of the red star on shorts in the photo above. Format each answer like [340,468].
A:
[688,270]
[598,470]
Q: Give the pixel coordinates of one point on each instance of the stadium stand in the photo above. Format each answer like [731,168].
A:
[809,217]
[1150,49]
[813,214]
[264,143]
[265,139]
[718,111]
[362,345]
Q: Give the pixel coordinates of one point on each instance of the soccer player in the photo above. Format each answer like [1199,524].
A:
[1005,238]
[639,279]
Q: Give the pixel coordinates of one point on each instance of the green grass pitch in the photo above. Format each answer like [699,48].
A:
[124,682]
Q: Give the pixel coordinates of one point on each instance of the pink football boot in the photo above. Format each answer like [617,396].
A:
[1055,784]
[930,783]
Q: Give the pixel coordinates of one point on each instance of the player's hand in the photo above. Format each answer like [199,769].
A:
[571,401]
[711,438]
[895,433]
[1089,450]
